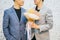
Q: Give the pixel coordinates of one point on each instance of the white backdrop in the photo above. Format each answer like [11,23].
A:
[54,5]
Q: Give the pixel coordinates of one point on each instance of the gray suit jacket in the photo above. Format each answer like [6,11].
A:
[45,23]
[13,28]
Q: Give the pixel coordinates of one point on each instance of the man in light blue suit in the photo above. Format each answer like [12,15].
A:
[14,22]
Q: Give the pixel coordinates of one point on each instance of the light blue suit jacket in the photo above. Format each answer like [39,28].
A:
[13,28]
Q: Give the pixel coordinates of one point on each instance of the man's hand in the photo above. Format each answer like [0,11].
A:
[33,25]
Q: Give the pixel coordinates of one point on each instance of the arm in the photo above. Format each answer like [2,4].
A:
[48,22]
[6,26]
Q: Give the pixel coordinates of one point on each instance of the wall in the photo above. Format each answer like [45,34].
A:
[54,5]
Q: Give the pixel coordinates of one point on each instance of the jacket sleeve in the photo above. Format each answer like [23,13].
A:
[48,22]
[6,26]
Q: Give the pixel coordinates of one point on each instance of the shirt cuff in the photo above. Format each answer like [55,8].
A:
[44,27]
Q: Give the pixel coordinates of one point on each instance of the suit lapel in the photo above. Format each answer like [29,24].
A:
[40,9]
[22,14]
[14,13]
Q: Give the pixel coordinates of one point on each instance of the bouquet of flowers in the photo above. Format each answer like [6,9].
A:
[31,16]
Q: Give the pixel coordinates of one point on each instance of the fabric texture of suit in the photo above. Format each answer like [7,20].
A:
[45,23]
[13,28]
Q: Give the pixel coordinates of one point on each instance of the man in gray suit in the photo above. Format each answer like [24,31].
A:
[14,22]
[41,31]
